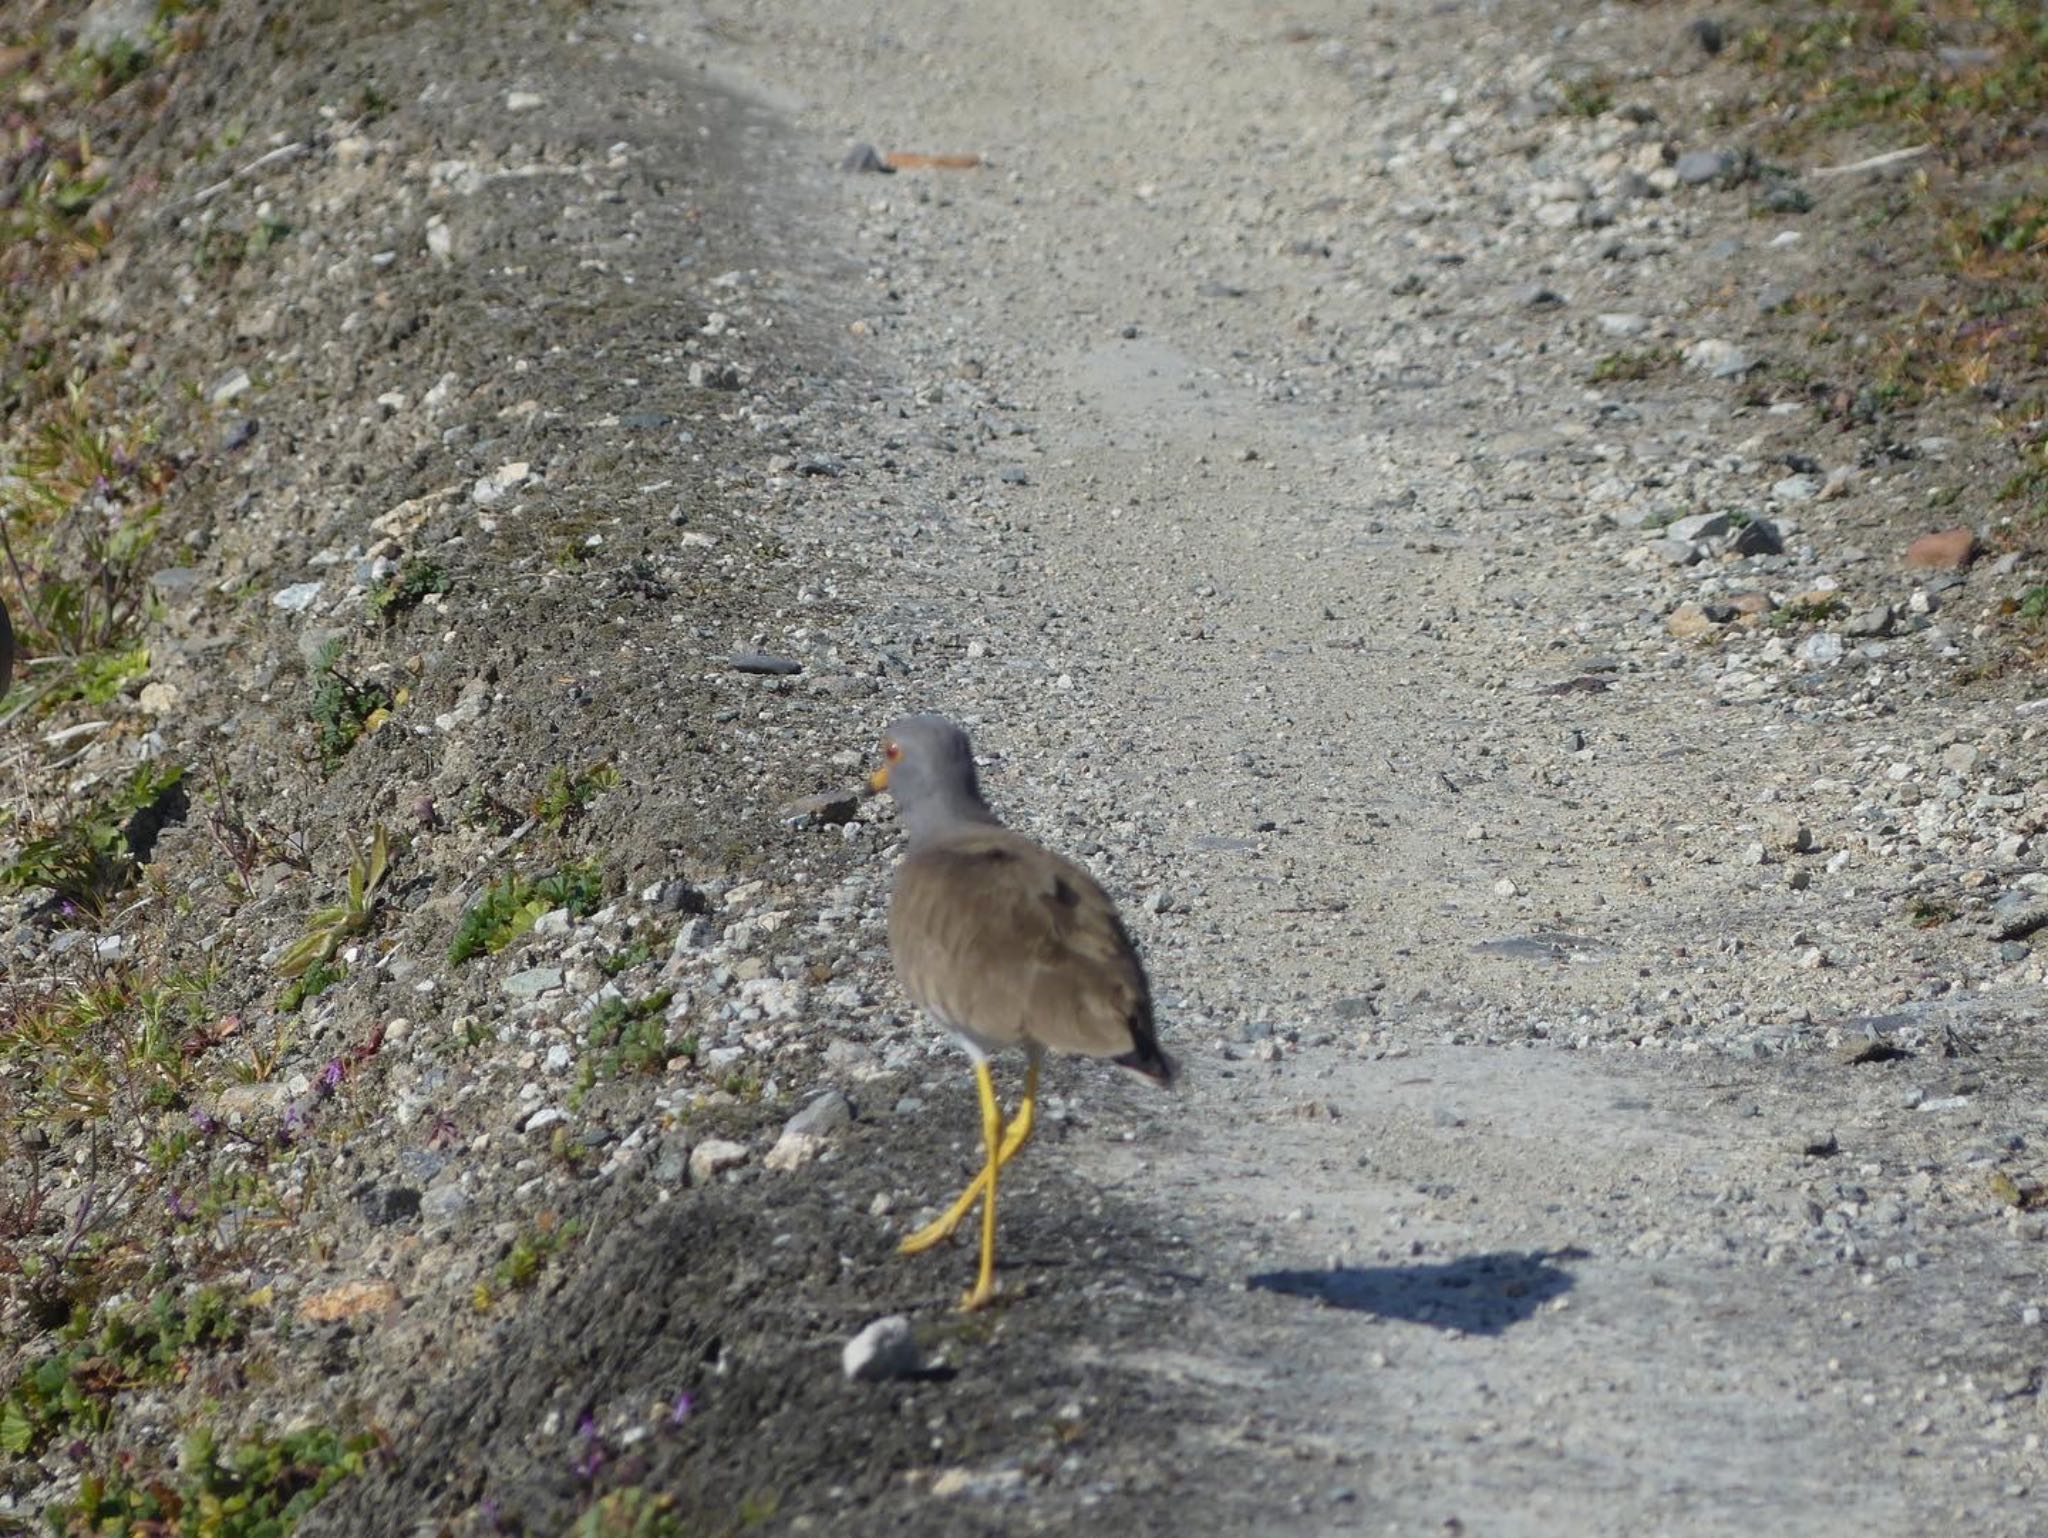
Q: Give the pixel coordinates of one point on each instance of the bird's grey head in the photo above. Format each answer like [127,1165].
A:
[928,766]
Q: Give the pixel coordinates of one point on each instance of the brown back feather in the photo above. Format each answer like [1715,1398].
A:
[1006,942]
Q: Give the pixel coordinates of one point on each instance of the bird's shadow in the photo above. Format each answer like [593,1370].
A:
[1478,1294]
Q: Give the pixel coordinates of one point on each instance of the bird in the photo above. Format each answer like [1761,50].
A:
[1006,945]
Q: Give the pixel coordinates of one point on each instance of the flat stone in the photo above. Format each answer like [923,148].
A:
[1950,550]
[533,982]
[1869,622]
[1699,526]
[546,1117]
[1759,536]
[761,662]
[885,1349]
[444,1201]
[1622,325]
[389,1204]
[1689,621]
[1697,166]
[1674,552]
[823,1116]
[832,806]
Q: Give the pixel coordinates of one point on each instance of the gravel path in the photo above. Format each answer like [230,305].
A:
[1229,456]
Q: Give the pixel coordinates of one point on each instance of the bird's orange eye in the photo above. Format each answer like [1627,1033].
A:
[891,752]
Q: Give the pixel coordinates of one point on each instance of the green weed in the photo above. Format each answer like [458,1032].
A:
[511,906]
[329,928]
[405,588]
[343,711]
[568,796]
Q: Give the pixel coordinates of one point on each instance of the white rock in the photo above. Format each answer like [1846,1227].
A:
[1719,359]
[885,1349]
[546,1117]
[227,389]
[711,1159]
[523,101]
[297,598]
[793,1150]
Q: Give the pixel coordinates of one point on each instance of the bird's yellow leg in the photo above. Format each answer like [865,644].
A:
[992,1136]
[1015,1136]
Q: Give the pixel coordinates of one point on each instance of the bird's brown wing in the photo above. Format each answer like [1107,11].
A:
[1005,942]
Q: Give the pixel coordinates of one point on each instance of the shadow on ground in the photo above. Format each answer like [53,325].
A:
[1479,1294]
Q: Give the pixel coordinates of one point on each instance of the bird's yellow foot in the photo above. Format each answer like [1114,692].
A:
[979,1296]
[941,1229]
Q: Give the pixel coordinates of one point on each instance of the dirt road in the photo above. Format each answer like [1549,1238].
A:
[1278,543]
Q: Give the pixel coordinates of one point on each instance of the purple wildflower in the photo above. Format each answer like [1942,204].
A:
[593,1456]
[203,1123]
[330,1077]
[680,1410]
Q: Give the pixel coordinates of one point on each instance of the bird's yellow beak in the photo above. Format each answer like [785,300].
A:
[878,781]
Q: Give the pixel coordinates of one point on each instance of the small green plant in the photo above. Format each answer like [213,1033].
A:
[2033,604]
[633,1512]
[568,796]
[343,710]
[1801,612]
[1929,913]
[632,1038]
[405,588]
[329,928]
[70,1391]
[262,1487]
[513,905]
[528,1256]
[1634,364]
[310,984]
[639,953]
[1590,97]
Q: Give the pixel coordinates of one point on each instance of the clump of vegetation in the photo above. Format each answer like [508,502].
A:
[343,710]
[329,928]
[632,1512]
[513,905]
[643,950]
[91,849]
[69,1392]
[1801,612]
[527,1258]
[1636,363]
[405,588]
[261,1487]
[1590,97]
[567,796]
[1930,913]
[631,1037]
